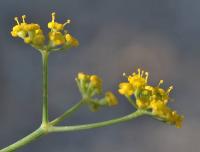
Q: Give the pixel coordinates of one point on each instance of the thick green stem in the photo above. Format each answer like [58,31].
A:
[66,113]
[24,141]
[45,118]
[97,125]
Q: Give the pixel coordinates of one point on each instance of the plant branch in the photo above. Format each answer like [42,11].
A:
[44,130]
[67,113]
[97,125]
[24,141]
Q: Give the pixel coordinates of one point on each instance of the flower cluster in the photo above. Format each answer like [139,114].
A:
[57,37]
[90,86]
[151,98]
[32,34]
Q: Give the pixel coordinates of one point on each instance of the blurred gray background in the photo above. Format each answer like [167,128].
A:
[160,36]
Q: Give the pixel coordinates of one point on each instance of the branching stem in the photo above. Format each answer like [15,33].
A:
[43,130]
[49,127]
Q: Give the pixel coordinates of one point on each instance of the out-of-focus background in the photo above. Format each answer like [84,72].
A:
[115,36]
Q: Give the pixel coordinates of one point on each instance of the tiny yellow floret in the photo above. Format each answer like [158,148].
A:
[96,81]
[137,80]
[71,40]
[126,89]
[29,32]
[111,99]
[82,76]
[55,26]
[56,38]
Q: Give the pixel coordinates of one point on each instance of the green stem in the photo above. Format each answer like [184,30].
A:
[24,141]
[131,101]
[45,118]
[43,130]
[97,125]
[66,113]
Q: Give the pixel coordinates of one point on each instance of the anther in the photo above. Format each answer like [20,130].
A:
[67,22]
[161,82]
[169,89]
[53,16]
[138,71]
[147,75]
[16,19]
[23,18]
[124,74]
[142,73]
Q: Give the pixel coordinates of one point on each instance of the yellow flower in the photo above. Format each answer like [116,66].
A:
[142,104]
[31,33]
[144,97]
[89,85]
[126,89]
[55,26]
[38,40]
[177,119]
[31,27]
[18,30]
[56,38]
[82,76]
[111,99]
[150,98]
[161,94]
[162,111]
[27,40]
[158,107]
[137,80]
[71,40]
[96,81]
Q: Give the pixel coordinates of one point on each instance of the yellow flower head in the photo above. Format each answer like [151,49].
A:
[161,94]
[38,40]
[96,81]
[144,97]
[177,119]
[135,82]
[83,77]
[163,112]
[142,104]
[70,40]
[126,89]
[55,26]
[138,80]
[31,33]
[89,85]
[111,99]
[154,99]
[19,30]
[56,38]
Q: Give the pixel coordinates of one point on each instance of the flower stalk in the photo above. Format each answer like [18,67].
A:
[67,113]
[45,114]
